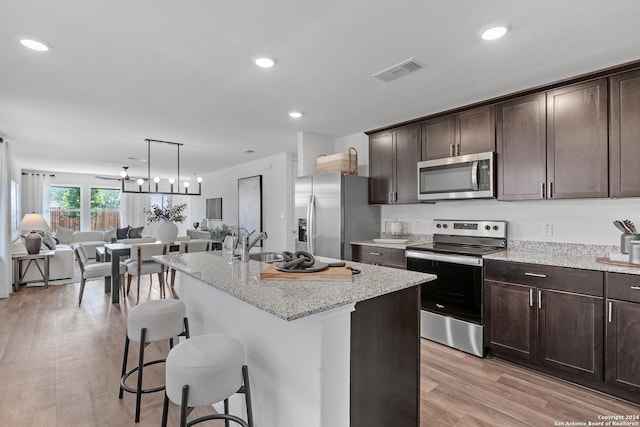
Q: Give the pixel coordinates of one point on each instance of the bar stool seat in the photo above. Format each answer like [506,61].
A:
[204,370]
[152,321]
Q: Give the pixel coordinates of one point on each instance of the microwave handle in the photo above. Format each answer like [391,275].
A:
[474,175]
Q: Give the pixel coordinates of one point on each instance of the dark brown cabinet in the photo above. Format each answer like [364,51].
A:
[549,318]
[378,255]
[624,135]
[623,331]
[393,158]
[554,144]
[521,143]
[577,141]
[467,132]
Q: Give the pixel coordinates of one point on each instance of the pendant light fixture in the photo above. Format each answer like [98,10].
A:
[157,185]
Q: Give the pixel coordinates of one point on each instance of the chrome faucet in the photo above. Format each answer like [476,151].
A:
[246,245]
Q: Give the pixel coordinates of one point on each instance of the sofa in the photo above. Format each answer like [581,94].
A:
[90,240]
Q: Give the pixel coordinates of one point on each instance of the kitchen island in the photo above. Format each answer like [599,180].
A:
[319,353]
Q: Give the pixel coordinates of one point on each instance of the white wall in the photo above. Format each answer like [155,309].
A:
[310,146]
[360,142]
[277,202]
[86,182]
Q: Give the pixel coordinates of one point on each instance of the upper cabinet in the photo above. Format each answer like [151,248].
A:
[393,158]
[554,144]
[624,135]
[467,132]
[577,141]
[521,141]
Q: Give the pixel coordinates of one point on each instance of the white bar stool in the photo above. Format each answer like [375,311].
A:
[204,370]
[152,321]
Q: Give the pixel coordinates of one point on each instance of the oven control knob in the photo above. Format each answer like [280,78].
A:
[495,227]
[444,225]
[487,227]
[438,225]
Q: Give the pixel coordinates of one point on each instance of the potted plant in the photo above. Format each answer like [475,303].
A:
[167,230]
[219,233]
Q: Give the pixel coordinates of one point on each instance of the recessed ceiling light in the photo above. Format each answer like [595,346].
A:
[494,32]
[264,61]
[295,114]
[34,45]
[249,151]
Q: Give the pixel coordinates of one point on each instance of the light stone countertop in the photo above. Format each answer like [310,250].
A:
[289,299]
[562,255]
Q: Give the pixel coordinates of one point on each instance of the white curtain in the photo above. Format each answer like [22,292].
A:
[5,220]
[132,207]
[36,189]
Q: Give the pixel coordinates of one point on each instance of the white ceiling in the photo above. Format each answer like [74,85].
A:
[180,70]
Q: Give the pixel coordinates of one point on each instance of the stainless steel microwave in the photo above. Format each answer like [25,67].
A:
[462,177]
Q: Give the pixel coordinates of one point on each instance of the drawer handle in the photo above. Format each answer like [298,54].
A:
[375,253]
[635,287]
[610,309]
[536,275]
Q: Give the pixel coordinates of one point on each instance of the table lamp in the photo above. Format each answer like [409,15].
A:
[33,222]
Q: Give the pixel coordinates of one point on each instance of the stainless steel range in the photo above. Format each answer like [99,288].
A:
[452,304]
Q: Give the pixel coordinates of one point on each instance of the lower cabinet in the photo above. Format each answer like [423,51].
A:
[548,318]
[623,332]
[379,255]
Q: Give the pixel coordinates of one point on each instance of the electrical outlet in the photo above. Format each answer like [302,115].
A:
[547,229]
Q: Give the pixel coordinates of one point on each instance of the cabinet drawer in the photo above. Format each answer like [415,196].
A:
[379,255]
[566,279]
[624,287]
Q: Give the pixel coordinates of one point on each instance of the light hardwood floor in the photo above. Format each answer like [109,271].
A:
[60,365]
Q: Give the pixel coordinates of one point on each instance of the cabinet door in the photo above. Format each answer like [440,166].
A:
[381,164]
[407,155]
[623,342]
[477,130]
[510,321]
[577,148]
[438,138]
[570,334]
[624,134]
[522,148]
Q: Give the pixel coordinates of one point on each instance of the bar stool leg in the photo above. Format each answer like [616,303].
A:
[226,411]
[184,406]
[125,357]
[143,336]
[247,394]
[165,410]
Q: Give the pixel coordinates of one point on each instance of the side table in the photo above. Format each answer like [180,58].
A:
[19,273]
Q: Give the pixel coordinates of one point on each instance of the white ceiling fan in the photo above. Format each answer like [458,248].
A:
[123,174]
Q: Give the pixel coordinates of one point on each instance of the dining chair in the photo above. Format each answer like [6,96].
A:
[142,262]
[94,270]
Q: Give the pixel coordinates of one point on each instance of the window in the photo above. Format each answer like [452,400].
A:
[64,207]
[105,208]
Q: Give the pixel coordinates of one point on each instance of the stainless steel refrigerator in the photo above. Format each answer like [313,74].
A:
[331,211]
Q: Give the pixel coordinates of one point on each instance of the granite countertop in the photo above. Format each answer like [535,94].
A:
[563,255]
[288,299]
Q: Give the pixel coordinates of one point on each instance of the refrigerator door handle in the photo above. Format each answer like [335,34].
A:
[311,207]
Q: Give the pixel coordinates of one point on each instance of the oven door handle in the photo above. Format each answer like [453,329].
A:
[453,259]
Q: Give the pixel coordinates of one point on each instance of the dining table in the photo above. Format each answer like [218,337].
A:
[112,253]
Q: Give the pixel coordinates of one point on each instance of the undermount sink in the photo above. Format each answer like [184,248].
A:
[266,256]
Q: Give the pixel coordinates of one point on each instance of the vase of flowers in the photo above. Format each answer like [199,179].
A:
[167,216]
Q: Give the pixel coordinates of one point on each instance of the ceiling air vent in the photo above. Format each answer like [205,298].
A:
[397,71]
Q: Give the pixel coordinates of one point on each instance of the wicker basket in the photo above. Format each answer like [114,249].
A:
[345,163]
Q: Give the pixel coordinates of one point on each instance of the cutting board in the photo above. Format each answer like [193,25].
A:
[331,274]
